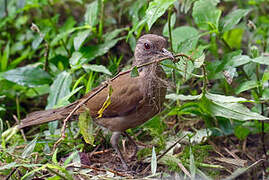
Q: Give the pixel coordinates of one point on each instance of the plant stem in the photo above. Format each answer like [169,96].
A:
[100,28]
[169,29]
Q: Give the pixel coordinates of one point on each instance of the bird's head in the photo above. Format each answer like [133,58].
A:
[150,47]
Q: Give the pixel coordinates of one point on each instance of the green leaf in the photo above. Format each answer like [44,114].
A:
[229,110]
[238,61]
[113,34]
[134,72]
[261,60]
[182,97]
[156,9]
[198,62]
[91,52]
[91,15]
[54,156]
[5,57]
[241,132]
[96,68]
[59,89]
[85,124]
[233,18]
[37,41]
[246,86]
[224,99]
[74,60]
[233,38]
[29,76]
[71,157]
[153,161]
[29,148]
[66,33]
[14,165]
[206,15]
[185,38]
[192,165]
[265,76]
[80,38]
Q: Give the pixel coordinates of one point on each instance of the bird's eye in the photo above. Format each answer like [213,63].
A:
[147,46]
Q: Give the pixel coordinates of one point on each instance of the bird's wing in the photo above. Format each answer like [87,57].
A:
[127,95]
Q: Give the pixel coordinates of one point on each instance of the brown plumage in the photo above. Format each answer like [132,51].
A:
[134,100]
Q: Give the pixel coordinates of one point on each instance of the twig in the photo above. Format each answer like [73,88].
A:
[105,84]
[11,173]
[169,29]
[21,130]
[104,170]
[164,153]
[55,172]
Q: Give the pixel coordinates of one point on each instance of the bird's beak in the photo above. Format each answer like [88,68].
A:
[167,53]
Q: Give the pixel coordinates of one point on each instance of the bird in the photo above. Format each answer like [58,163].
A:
[134,100]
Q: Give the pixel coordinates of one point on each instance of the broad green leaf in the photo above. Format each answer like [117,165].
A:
[233,38]
[96,68]
[241,132]
[135,8]
[74,60]
[80,38]
[247,85]
[29,148]
[206,15]
[238,61]
[29,76]
[230,110]
[156,9]
[85,124]
[37,41]
[64,101]
[91,15]
[224,99]
[184,38]
[224,64]
[185,68]
[70,157]
[233,18]
[113,34]
[182,97]
[66,33]
[59,89]
[134,72]
[153,161]
[198,62]
[261,60]
[91,52]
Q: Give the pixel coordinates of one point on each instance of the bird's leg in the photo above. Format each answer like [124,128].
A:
[133,142]
[114,142]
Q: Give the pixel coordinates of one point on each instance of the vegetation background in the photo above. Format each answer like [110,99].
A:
[52,52]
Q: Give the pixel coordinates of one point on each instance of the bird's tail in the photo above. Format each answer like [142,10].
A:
[40,117]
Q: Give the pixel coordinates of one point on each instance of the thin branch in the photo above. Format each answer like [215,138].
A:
[164,153]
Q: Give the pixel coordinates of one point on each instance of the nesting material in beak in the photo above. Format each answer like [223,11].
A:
[167,53]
